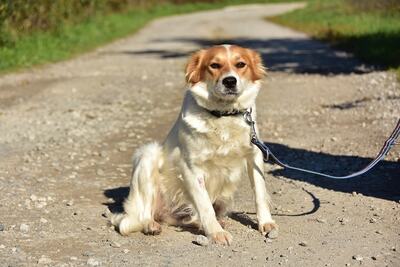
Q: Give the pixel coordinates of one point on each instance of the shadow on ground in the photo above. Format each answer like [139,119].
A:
[294,55]
[382,182]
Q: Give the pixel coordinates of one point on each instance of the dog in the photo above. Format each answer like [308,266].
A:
[190,176]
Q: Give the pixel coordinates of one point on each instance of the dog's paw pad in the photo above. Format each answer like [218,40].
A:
[222,238]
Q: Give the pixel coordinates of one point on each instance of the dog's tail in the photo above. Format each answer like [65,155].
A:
[139,205]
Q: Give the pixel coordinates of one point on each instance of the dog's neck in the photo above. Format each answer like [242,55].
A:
[219,113]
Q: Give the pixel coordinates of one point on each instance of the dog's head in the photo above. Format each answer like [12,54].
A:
[225,77]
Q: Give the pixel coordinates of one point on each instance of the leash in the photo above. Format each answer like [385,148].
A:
[389,143]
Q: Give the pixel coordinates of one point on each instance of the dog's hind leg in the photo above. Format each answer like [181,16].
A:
[141,203]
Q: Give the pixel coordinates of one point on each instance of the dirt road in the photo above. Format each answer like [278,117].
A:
[68,131]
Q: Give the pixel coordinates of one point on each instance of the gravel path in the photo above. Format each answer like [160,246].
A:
[68,131]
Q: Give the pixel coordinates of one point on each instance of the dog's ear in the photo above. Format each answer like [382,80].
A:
[193,67]
[257,67]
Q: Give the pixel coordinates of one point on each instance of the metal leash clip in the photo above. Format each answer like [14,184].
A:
[253,134]
[251,122]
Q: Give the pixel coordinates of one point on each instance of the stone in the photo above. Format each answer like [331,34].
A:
[24,228]
[273,234]
[93,262]
[115,244]
[2,227]
[357,258]
[44,260]
[201,240]
[303,244]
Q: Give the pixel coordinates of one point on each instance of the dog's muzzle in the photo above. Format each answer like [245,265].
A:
[230,83]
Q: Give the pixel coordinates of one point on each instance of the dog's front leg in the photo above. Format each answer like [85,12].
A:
[195,186]
[255,168]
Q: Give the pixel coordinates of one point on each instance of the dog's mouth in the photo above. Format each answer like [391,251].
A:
[231,92]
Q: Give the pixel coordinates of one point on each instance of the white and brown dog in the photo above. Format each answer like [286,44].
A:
[208,150]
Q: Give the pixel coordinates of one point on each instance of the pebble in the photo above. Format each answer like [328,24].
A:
[87,253]
[2,227]
[343,221]
[100,172]
[24,228]
[115,244]
[303,244]
[357,258]
[320,220]
[70,203]
[122,149]
[268,240]
[201,240]
[103,154]
[125,250]
[93,262]
[73,258]
[43,220]
[44,260]
[372,220]
[273,234]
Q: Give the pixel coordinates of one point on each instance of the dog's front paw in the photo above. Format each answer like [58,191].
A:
[222,238]
[270,229]
[151,228]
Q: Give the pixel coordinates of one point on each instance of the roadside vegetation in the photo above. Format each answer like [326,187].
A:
[370,29]
[37,32]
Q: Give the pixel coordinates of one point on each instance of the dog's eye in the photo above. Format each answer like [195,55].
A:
[215,66]
[240,65]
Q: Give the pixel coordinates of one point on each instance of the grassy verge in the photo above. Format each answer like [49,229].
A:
[69,40]
[371,34]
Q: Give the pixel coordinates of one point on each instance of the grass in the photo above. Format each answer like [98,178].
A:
[373,35]
[69,40]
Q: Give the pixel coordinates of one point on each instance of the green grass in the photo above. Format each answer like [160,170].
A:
[372,35]
[69,40]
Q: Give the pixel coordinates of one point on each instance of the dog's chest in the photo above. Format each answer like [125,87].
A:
[225,140]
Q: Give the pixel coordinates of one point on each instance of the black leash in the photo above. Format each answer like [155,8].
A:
[389,143]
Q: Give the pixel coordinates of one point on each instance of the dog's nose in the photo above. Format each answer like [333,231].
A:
[229,82]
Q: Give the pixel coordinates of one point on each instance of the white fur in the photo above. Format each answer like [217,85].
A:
[201,161]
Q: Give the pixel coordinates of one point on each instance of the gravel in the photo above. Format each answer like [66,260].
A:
[68,131]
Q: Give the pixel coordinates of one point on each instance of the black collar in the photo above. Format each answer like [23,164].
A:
[219,113]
